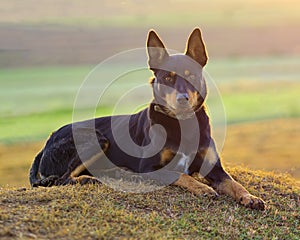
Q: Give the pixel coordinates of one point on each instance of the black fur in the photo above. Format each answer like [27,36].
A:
[59,158]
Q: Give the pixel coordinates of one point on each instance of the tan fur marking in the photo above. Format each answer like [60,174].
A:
[151,80]
[193,98]
[171,99]
[85,180]
[186,72]
[166,156]
[172,74]
[240,194]
[193,186]
[86,164]
[211,155]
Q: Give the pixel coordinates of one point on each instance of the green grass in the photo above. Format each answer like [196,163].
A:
[37,101]
[270,103]
[37,126]
[97,212]
[39,89]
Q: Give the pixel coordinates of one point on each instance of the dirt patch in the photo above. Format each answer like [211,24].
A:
[15,161]
[268,145]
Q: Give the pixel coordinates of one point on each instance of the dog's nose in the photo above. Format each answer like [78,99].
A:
[182,98]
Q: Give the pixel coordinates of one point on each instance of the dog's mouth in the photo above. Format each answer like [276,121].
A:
[183,113]
[180,113]
[179,108]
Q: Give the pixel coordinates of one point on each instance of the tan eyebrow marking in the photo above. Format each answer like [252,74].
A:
[192,77]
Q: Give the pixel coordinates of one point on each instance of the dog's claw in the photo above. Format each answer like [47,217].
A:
[216,196]
[252,202]
[46,182]
[36,184]
[208,192]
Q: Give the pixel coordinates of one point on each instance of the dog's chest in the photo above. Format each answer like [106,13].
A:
[184,162]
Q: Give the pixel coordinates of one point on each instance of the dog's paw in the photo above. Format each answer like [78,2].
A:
[206,191]
[88,180]
[46,182]
[82,180]
[252,202]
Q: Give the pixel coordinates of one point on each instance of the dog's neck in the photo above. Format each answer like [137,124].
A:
[158,115]
[158,108]
[173,126]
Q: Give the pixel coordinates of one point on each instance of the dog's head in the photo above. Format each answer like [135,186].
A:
[179,87]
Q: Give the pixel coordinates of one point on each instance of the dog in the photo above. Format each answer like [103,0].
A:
[176,114]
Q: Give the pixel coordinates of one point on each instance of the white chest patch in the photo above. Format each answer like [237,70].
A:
[184,163]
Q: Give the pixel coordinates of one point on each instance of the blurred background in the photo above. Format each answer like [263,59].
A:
[47,48]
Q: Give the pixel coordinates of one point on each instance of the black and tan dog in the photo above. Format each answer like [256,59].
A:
[179,92]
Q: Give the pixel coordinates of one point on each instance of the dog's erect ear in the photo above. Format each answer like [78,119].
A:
[157,52]
[196,48]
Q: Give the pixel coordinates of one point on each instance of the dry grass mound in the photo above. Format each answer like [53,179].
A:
[98,212]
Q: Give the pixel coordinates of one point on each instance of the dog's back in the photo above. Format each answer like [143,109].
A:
[172,134]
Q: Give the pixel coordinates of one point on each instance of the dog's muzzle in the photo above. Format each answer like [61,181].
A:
[182,99]
[182,115]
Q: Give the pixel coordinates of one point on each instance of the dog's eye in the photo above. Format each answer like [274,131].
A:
[192,77]
[189,75]
[169,79]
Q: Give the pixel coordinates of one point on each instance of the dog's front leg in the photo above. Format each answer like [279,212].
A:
[225,184]
[240,194]
[194,186]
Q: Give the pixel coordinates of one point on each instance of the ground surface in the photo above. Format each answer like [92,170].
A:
[93,212]
[47,49]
